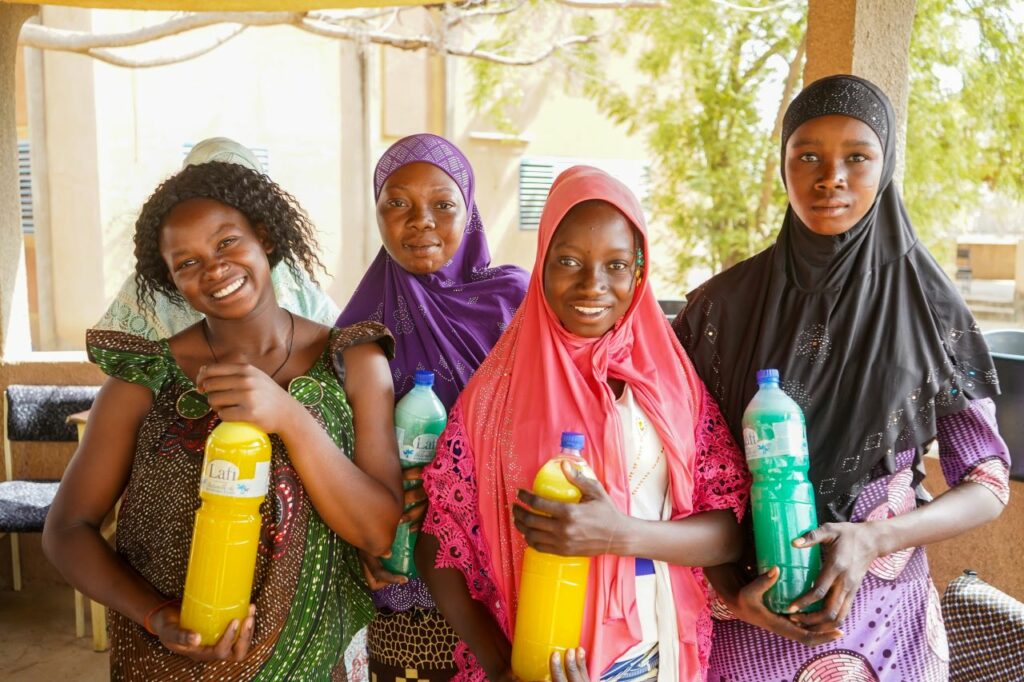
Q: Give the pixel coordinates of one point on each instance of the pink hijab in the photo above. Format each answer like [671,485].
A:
[540,380]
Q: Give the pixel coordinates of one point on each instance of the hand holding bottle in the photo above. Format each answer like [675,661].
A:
[232,646]
[588,528]
[574,670]
[746,601]
[848,550]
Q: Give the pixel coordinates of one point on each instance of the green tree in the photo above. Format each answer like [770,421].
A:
[965,120]
[714,175]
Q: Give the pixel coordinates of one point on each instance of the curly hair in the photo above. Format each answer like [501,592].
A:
[262,201]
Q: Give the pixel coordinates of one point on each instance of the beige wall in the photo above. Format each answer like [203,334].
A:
[550,122]
[113,134]
[991,259]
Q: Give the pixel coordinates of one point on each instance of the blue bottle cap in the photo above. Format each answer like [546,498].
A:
[767,375]
[424,377]
[573,441]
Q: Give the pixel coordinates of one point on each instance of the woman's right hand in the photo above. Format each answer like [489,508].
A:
[747,604]
[166,623]
[414,498]
[378,577]
[414,505]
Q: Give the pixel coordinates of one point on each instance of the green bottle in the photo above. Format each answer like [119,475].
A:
[420,418]
[781,497]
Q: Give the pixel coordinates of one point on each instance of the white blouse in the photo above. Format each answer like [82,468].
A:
[649,499]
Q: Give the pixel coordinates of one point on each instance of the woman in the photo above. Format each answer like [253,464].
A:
[433,286]
[164,317]
[587,352]
[876,345]
[210,236]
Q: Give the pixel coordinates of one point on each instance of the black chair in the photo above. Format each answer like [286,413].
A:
[672,306]
[964,272]
[1007,346]
[34,413]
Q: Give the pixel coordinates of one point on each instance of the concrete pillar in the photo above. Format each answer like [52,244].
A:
[11,247]
[359,241]
[867,38]
[70,91]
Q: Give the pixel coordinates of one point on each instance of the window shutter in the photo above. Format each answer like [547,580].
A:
[28,225]
[535,179]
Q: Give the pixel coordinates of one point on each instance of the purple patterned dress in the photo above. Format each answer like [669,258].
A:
[894,631]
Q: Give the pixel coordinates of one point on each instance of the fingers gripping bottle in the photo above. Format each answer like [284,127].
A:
[781,497]
[420,418]
[222,561]
[552,589]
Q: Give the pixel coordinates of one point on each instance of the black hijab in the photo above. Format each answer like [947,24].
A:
[868,333]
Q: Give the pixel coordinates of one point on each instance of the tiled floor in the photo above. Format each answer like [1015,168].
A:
[37,638]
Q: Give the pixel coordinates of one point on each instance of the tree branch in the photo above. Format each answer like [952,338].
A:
[358,35]
[469,15]
[765,56]
[111,58]
[523,61]
[49,38]
[337,26]
[754,10]
[768,177]
[614,4]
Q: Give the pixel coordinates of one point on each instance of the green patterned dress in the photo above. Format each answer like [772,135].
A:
[309,591]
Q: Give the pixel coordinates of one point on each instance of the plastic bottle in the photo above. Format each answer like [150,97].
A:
[420,418]
[553,589]
[782,497]
[236,475]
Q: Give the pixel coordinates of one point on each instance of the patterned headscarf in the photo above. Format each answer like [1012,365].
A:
[869,335]
[445,321]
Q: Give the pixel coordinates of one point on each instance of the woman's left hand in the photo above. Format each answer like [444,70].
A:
[240,392]
[847,552]
[589,528]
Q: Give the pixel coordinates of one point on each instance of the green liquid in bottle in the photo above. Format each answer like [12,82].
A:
[782,497]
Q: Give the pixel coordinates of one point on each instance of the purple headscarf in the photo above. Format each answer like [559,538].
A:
[446,321]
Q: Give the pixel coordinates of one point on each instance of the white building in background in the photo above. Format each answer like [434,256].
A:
[102,137]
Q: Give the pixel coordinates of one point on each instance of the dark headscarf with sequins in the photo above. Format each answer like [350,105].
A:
[868,333]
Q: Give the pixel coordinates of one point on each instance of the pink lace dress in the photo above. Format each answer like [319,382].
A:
[721,482]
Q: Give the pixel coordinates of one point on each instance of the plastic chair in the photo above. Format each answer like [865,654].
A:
[964,272]
[1007,347]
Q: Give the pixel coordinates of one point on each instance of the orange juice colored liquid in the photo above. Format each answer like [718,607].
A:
[552,590]
[222,561]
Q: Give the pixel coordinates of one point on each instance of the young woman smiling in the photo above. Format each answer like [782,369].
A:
[208,238]
[587,351]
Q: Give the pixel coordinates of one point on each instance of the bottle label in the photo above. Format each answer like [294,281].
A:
[783,439]
[421,450]
[221,477]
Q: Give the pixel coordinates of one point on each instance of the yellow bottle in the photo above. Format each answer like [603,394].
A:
[236,476]
[553,589]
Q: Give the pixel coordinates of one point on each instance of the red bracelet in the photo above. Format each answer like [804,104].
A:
[153,611]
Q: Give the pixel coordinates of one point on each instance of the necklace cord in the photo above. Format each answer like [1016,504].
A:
[291,342]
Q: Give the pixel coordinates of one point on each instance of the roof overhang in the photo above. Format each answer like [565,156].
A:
[226,5]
